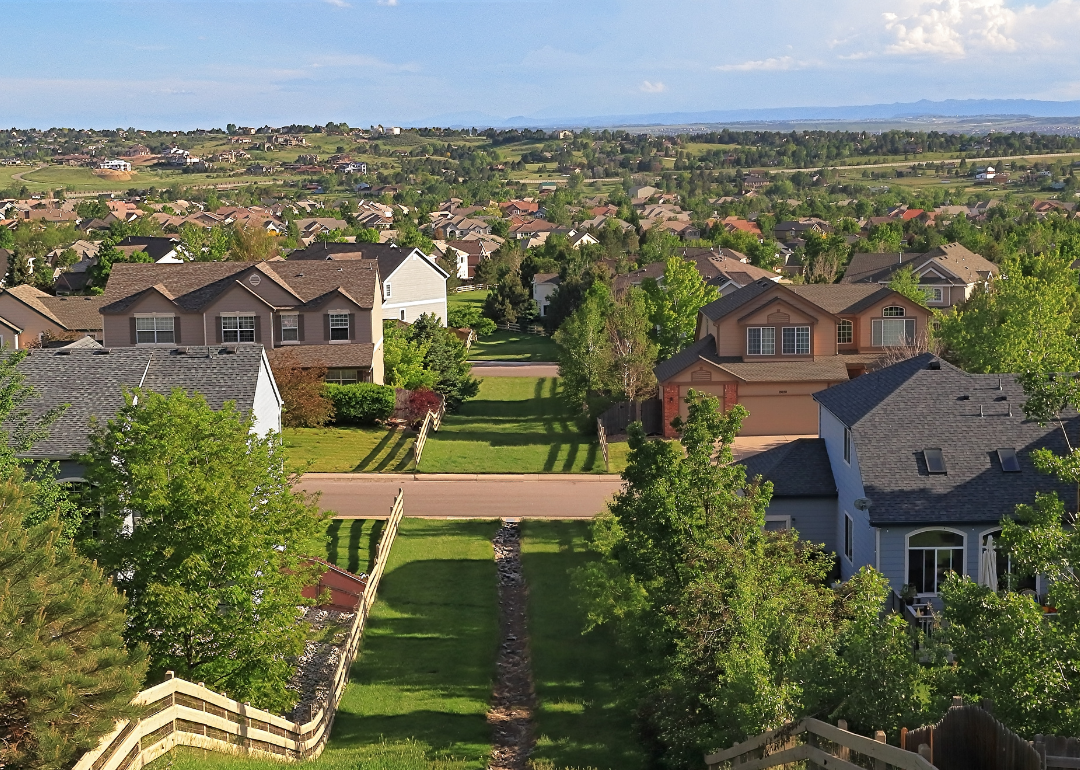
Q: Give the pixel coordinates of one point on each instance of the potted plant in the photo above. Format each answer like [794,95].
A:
[908,593]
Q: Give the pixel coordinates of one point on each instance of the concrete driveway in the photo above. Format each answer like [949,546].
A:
[488,496]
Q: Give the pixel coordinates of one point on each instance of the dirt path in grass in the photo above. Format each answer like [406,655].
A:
[514,696]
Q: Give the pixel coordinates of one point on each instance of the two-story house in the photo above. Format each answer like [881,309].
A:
[948,274]
[412,282]
[771,346]
[330,313]
[923,461]
[28,315]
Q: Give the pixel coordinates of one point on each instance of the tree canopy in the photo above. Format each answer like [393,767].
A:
[674,303]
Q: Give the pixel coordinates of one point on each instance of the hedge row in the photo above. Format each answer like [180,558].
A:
[363,403]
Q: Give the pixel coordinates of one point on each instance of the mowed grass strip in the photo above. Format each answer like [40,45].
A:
[579,721]
[421,688]
[502,345]
[514,425]
[349,450]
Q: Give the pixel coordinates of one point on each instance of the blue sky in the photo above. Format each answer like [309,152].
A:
[182,64]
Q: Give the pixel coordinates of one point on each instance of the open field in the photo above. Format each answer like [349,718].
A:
[349,450]
[421,688]
[515,425]
[579,719]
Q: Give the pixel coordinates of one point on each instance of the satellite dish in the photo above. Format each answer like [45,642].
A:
[862,504]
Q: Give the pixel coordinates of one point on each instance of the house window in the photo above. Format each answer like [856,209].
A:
[777,523]
[761,341]
[155,330]
[796,341]
[238,328]
[339,326]
[342,376]
[847,445]
[386,290]
[933,293]
[892,312]
[892,332]
[845,332]
[849,538]
[932,555]
[290,328]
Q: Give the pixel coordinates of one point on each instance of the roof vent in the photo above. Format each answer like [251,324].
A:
[63,352]
[230,348]
[103,352]
[181,350]
[964,397]
[934,366]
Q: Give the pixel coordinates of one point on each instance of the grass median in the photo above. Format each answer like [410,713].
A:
[421,687]
[579,720]
[514,425]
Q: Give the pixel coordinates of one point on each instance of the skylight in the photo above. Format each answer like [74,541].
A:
[1010,463]
[935,461]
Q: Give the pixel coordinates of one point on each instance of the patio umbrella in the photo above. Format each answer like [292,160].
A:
[988,568]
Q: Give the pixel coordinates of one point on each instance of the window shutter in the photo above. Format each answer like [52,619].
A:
[300,327]
[277,330]
[352,326]
[176,329]
[326,326]
[258,328]
[134,334]
[217,329]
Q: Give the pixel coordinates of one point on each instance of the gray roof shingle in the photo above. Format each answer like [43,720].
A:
[92,382]
[897,412]
[799,468]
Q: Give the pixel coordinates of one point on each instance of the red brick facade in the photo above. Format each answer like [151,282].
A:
[671,409]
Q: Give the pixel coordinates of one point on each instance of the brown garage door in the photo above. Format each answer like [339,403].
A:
[780,415]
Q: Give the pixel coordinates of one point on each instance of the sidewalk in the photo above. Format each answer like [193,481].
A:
[514,369]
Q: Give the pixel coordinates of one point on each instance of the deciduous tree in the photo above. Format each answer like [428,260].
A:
[674,303]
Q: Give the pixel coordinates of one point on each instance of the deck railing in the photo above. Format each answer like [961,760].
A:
[182,713]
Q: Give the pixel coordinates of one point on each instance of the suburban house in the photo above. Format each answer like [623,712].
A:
[726,269]
[455,227]
[948,274]
[468,255]
[924,461]
[328,312]
[771,346]
[412,283]
[166,250]
[92,382]
[543,286]
[799,228]
[29,315]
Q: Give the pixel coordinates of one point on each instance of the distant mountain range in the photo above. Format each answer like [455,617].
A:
[951,108]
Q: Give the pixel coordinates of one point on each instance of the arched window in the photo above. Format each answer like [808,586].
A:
[893,311]
[933,554]
[1000,575]
[844,332]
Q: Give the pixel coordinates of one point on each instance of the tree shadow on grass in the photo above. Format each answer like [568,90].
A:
[399,446]
[375,451]
[333,533]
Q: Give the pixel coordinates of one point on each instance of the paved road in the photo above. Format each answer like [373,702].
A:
[360,495]
[514,369]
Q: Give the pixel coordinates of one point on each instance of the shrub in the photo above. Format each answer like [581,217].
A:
[460,316]
[363,403]
[421,402]
[483,327]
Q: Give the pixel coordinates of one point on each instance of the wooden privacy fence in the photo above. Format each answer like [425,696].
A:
[812,741]
[182,713]
[1055,751]
[968,737]
[602,435]
[617,417]
[432,422]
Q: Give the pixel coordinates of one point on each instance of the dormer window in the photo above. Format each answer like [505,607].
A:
[761,341]
[796,340]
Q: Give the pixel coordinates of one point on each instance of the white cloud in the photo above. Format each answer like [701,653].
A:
[652,88]
[951,28]
[775,64]
[338,3]
[386,2]
[362,61]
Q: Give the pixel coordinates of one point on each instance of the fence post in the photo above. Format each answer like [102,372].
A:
[602,435]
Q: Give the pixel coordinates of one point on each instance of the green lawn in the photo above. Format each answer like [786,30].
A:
[351,543]
[347,450]
[579,720]
[468,298]
[503,345]
[514,425]
[421,688]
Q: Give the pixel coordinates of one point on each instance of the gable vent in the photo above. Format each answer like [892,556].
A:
[701,375]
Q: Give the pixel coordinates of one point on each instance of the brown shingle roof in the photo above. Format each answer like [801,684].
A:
[357,355]
[953,257]
[195,284]
[73,313]
[838,298]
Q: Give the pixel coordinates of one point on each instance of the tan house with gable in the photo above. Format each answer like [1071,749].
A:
[948,274]
[28,314]
[771,346]
[330,313]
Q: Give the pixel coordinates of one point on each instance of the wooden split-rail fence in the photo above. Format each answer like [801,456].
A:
[601,433]
[182,713]
[967,737]
[526,328]
[432,422]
